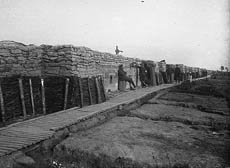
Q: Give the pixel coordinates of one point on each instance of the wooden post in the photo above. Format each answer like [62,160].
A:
[154,76]
[151,74]
[118,84]
[32,97]
[81,92]
[89,91]
[75,90]
[43,96]
[2,104]
[66,92]
[103,89]
[98,90]
[137,76]
[22,97]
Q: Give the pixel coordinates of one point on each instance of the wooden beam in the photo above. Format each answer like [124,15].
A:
[43,96]
[137,75]
[32,96]
[80,92]
[75,90]
[2,104]
[98,90]
[103,89]
[66,93]
[89,91]
[22,97]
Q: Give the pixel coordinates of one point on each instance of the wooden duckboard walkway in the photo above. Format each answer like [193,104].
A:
[26,133]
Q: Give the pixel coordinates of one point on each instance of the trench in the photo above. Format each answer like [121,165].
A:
[188,105]
[61,157]
[58,156]
[211,126]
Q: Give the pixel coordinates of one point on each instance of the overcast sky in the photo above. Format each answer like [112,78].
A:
[192,32]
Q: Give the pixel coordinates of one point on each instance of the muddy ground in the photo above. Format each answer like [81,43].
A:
[186,126]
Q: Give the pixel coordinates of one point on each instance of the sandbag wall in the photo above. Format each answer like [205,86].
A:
[68,60]
[62,60]
[19,59]
[25,99]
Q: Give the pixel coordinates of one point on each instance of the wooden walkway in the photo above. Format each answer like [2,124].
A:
[26,133]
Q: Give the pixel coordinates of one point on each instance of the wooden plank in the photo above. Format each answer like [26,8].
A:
[2,104]
[20,138]
[32,96]
[11,145]
[8,146]
[89,91]
[97,90]
[22,97]
[3,151]
[9,150]
[103,89]
[47,123]
[66,92]
[6,149]
[17,145]
[25,134]
[15,142]
[43,96]
[81,93]
[24,130]
[137,75]
[75,90]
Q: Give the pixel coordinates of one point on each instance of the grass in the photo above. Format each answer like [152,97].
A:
[82,159]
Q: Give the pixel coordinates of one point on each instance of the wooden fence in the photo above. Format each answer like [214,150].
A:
[25,97]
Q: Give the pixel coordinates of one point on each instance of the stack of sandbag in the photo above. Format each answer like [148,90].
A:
[19,59]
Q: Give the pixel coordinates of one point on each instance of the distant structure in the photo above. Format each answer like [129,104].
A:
[117,51]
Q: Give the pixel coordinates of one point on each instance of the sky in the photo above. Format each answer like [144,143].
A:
[191,32]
